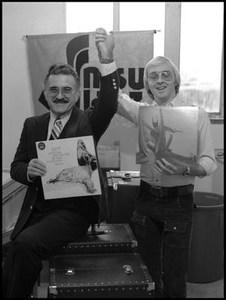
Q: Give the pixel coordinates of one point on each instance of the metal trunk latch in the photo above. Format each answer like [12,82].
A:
[128,269]
[70,271]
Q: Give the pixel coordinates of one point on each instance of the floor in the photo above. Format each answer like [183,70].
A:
[206,290]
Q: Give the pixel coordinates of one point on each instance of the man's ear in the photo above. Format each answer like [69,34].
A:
[45,93]
[44,89]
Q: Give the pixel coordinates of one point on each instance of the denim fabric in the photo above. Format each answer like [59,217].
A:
[162,226]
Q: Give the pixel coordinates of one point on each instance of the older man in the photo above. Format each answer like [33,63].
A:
[43,226]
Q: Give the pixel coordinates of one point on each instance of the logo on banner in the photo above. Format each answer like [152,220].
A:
[78,58]
[77,55]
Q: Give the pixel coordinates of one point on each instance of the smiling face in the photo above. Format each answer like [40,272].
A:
[161,81]
[61,93]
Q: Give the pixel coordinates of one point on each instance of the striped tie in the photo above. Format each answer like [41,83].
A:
[57,127]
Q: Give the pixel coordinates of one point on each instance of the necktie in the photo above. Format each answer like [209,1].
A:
[56,130]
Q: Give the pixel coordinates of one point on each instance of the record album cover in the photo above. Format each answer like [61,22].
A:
[168,132]
[72,169]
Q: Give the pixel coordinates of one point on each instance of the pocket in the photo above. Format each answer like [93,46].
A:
[139,221]
[178,233]
[175,226]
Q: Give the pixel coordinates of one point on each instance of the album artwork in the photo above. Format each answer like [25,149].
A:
[72,169]
[168,132]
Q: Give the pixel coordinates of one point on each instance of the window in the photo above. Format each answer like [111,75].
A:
[201,53]
[133,16]
[201,40]
[144,16]
[86,16]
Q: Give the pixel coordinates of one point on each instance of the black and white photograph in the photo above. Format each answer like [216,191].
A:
[112,150]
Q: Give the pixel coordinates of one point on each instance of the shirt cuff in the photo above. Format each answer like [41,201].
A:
[106,69]
[208,165]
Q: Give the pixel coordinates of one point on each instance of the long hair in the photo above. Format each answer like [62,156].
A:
[175,72]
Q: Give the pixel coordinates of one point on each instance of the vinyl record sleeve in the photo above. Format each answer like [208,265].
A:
[72,168]
[168,132]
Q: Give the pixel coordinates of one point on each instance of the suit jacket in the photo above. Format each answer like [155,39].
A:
[93,121]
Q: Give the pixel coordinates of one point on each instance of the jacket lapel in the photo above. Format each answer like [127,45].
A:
[42,124]
[70,129]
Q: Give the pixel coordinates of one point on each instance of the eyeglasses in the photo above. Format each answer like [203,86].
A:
[66,91]
[166,76]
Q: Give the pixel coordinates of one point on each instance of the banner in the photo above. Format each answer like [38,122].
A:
[133,49]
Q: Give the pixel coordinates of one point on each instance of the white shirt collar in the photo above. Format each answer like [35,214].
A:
[171,103]
[64,118]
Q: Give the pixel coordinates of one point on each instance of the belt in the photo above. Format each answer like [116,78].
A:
[167,191]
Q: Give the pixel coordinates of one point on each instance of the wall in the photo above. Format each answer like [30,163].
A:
[20,19]
[30,18]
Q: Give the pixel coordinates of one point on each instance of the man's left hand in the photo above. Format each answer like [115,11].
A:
[105,44]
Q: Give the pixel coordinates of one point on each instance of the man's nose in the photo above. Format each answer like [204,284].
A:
[60,94]
[160,78]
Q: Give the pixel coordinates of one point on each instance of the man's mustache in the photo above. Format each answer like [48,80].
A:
[60,101]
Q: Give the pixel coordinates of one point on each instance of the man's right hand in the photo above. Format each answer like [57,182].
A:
[105,44]
[36,167]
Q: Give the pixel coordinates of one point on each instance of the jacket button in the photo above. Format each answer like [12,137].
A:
[31,207]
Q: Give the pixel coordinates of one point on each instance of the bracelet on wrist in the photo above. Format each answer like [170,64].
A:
[106,60]
[187,171]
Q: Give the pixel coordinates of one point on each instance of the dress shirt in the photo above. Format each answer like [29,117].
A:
[129,109]
[64,118]
[106,69]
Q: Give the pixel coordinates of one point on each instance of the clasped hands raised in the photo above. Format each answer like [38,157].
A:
[105,44]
